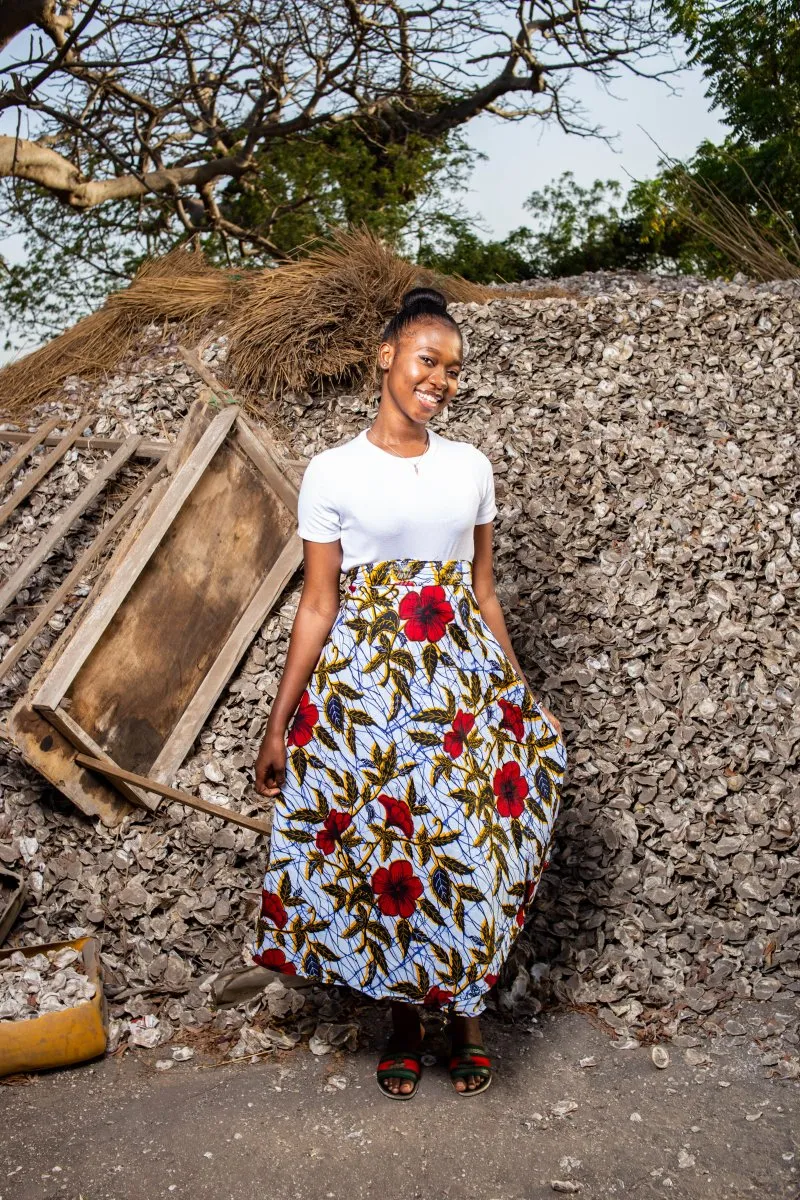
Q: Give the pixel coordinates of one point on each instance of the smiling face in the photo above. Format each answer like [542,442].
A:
[421,369]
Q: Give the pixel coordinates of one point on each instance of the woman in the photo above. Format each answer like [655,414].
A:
[423,779]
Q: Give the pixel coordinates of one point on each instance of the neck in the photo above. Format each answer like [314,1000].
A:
[394,428]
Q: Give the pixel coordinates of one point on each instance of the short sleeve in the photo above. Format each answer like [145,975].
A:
[487,508]
[318,518]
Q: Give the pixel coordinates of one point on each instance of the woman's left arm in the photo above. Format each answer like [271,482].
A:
[484,589]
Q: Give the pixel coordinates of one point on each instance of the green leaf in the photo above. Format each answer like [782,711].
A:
[299,763]
[403,931]
[327,739]
[430,659]
[358,717]
[430,911]
[423,738]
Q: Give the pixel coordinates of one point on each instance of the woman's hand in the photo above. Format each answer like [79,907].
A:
[550,718]
[270,765]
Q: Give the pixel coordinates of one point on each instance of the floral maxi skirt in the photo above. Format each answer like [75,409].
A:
[422,785]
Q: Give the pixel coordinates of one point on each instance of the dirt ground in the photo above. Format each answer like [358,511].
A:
[301,1127]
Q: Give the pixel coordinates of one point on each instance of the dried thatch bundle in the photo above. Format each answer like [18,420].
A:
[180,286]
[297,326]
[318,319]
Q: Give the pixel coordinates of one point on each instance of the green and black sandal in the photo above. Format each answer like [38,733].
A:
[470,1060]
[398,1061]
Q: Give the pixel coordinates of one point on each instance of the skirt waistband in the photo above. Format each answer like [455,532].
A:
[393,572]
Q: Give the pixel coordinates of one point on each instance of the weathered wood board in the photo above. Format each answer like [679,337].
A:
[142,671]
[40,743]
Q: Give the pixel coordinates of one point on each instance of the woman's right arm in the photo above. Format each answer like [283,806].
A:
[316,613]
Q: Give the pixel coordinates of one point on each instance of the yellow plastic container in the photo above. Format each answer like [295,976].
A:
[57,1039]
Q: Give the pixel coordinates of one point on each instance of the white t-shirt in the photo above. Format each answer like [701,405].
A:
[381,508]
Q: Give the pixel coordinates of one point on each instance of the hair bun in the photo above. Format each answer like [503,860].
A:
[422,299]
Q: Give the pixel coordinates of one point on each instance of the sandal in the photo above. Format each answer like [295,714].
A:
[470,1060]
[400,1062]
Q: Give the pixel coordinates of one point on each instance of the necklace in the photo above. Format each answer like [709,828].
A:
[412,458]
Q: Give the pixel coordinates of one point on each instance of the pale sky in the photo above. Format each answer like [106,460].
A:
[526,155]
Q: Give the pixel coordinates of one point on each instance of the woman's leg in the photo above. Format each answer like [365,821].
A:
[466,1031]
[407,1033]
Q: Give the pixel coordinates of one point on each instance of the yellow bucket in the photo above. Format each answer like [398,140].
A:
[57,1039]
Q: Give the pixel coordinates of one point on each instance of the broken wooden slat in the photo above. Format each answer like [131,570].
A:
[43,746]
[145,449]
[264,447]
[82,565]
[172,793]
[201,703]
[62,525]
[96,622]
[64,723]
[33,477]
[29,443]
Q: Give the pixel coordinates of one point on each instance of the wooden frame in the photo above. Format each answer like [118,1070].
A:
[146,720]
[33,477]
[40,743]
[123,514]
[145,449]
[61,526]
[29,443]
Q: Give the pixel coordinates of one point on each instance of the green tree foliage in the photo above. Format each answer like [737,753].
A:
[575,229]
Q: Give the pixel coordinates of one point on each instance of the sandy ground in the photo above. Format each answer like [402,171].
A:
[301,1127]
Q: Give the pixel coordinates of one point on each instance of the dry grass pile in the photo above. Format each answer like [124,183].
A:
[178,287]
[312,321]
[318,320]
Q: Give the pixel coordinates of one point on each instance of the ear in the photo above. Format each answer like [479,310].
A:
[386,353]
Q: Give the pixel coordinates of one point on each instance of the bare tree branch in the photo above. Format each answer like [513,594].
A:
[127,100]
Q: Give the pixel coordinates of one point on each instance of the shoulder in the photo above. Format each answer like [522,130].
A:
[465,453]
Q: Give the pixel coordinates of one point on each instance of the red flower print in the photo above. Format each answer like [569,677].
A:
[397,889]
[530,888]
[302,727]
[437,997]
[454,740]
[272,908]
[398,813]
[512,719]
[335,824]
[511,787]
[275,959]
[490,980]
[426,613]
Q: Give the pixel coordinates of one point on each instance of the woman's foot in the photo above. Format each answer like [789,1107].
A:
[405,1042]
[466,1043]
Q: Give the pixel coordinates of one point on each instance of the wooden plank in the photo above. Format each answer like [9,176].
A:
[62,525]
[181,611]
[275,477]
[145,449]
[106,605]
[172,793]
[43,747]
[191,722]
[64,723]
[33,477]
[280,467]
[50,753]
[29,443]
[82,565]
